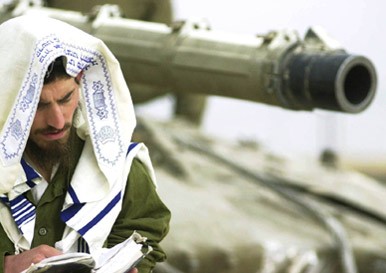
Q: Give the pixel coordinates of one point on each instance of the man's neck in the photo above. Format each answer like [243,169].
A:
[44,170]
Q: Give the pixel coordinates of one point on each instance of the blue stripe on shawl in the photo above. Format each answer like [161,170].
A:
[102,214]
[4,199]
[68,213]
[72,193]
[29,171]
[26,218]
[131,147]
[20,209]
[30,184]
[18,202]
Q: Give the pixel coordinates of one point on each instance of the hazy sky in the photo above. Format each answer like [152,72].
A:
[359,25]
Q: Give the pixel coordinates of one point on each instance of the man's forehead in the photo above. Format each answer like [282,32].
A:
[59,88]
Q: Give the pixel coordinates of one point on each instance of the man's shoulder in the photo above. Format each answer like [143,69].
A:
[137,166]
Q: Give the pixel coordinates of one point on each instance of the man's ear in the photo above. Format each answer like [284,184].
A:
[79,77]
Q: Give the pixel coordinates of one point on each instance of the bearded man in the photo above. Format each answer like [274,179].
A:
[72,180]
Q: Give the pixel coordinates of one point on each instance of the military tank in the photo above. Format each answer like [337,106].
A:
[236,206]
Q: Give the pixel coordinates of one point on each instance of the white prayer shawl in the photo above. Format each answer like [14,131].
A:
[28,44]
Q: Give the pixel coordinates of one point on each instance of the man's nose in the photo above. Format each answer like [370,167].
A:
[55,117]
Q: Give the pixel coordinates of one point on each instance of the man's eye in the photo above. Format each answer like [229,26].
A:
[67,98]
[42,105]
[64,100]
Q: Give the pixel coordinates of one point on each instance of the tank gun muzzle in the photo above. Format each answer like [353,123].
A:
[331,81]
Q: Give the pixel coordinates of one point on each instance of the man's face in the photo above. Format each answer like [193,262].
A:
[54,115]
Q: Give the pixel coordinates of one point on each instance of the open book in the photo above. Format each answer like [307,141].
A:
[118,259]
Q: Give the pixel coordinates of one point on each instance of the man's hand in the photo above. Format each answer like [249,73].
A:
[20,262]
[134,270]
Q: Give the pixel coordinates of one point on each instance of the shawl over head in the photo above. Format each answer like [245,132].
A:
[28,44]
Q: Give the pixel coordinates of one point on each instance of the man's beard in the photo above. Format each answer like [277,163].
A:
[56,152]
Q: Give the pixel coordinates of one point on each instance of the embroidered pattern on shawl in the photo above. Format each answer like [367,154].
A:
[98,97]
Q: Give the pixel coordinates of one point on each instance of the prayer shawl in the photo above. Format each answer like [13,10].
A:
[28,44]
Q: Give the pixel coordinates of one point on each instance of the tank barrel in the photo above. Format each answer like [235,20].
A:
[278,68]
